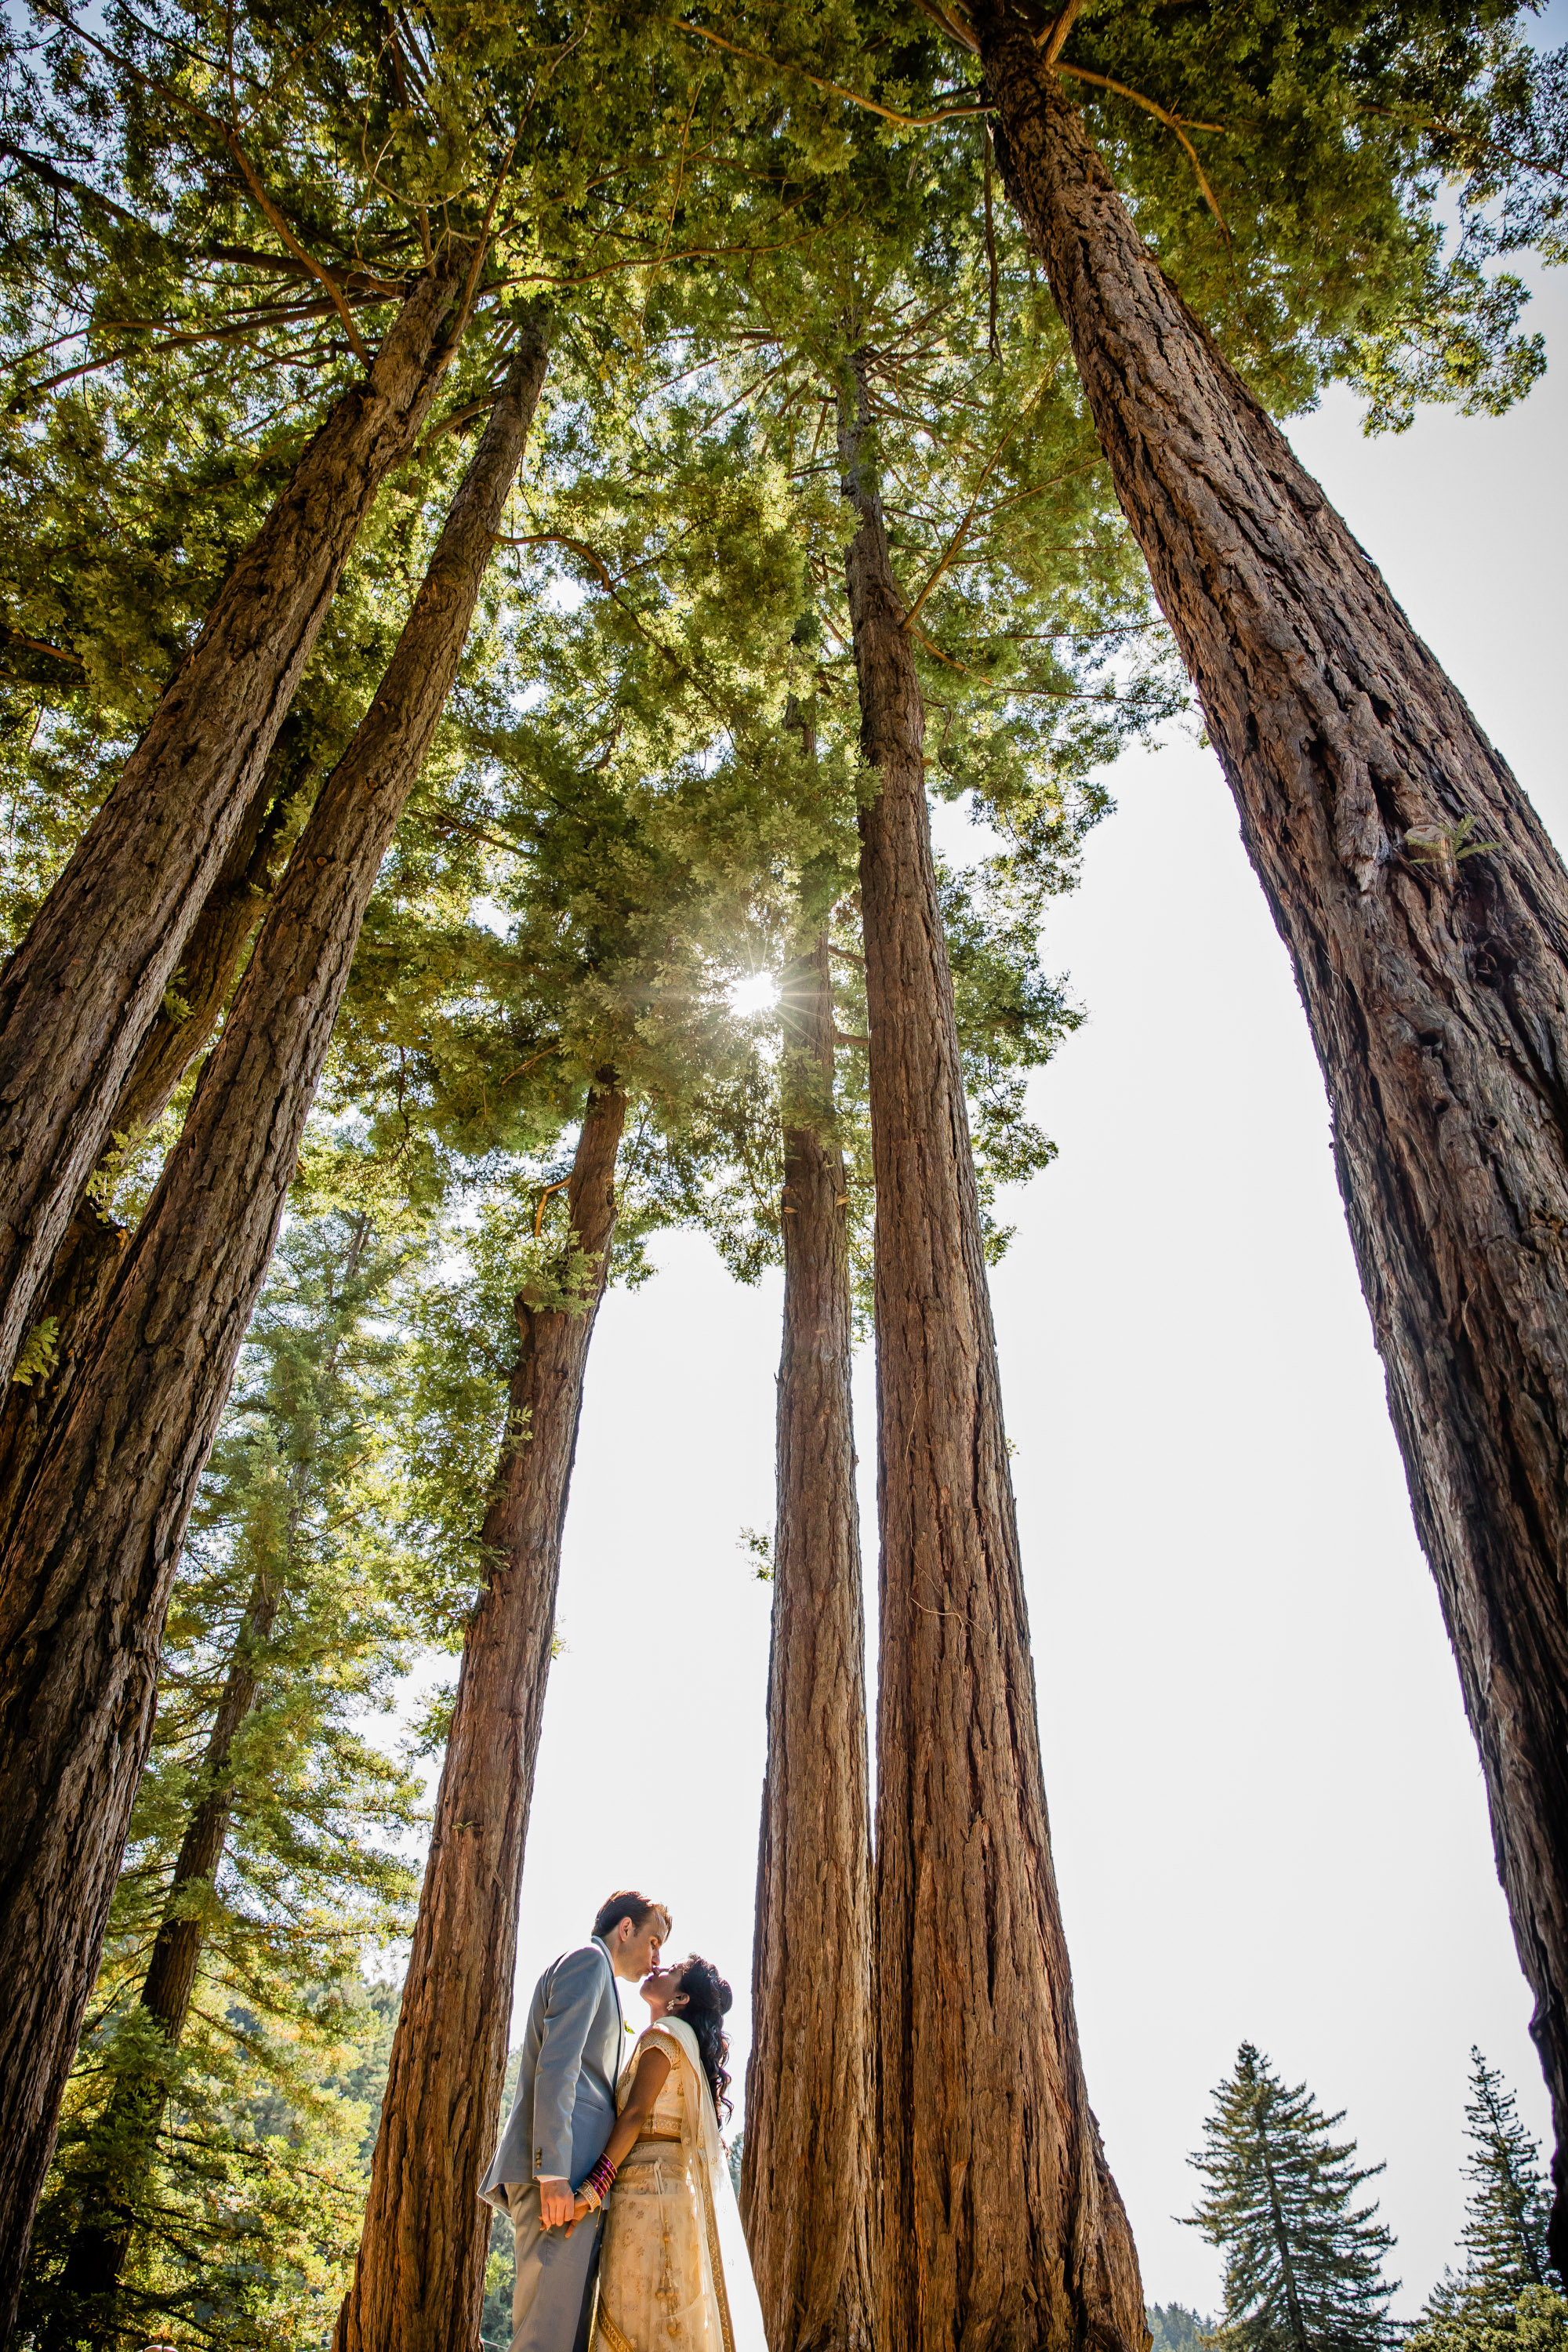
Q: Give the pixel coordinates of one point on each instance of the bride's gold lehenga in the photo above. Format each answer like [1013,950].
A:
[661,2272]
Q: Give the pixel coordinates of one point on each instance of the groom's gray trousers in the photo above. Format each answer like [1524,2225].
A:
[561,2119]
[552,2297]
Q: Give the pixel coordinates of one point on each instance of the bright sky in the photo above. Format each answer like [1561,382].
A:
[1266,1810]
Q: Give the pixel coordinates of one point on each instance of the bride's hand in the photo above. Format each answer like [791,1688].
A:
[579,2211]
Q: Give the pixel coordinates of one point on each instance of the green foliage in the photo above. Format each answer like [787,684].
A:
[758,1548]
[1536,2321]
[1303,2261]
[39,1350]
[1174,2328]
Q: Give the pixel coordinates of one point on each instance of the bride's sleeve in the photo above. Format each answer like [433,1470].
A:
[654,2037]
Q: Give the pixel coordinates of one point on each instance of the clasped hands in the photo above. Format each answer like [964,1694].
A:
[558,2208]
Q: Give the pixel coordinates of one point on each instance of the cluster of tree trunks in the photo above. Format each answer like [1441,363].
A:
[127,2132]
[1001,2223]
[89,981]
[86,1573]
[419,2279]
[85,1261]
[1426,916]
[808,2176]
[125,2136]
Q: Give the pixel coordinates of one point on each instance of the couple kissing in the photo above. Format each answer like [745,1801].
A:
[611,2166]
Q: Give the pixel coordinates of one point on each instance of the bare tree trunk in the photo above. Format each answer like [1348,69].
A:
[1002,2227]
[420,2279]
[85,1261]
[84,1581]
[806,2185]
[86,984]
[82,2309]
[1426,916]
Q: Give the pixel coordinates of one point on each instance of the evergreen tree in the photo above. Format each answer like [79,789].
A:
[1505,2226]
[1303,2261]
[1507,2291]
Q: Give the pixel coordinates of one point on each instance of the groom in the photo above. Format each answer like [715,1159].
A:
[573,2051]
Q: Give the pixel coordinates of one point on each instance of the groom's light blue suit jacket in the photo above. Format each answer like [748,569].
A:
[573,2052]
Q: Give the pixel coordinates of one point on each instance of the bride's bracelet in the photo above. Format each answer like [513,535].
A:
[596,2187]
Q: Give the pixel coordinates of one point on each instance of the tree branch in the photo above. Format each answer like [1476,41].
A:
[271,213]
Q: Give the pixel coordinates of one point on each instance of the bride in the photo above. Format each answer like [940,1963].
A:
[674,2274]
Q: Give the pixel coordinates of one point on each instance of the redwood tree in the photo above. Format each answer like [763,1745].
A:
[85,1261]
[420,2279]
[88,981]
[1425,913]
[1001,2223]
[85,1577]
[93,2269]
[808,2181]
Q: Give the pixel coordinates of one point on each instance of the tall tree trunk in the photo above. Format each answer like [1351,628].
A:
[1000,2224]
[419,2278]
[86,984]
[806,2184]
[1427,916]
[82,2310]
[84,1581]
[85,1261]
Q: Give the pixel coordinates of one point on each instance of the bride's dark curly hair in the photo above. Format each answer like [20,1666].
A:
[707,2003]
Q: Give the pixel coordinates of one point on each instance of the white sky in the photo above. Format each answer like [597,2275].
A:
[1266,1810]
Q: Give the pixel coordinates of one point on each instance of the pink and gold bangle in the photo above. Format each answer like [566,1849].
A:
[596,2187]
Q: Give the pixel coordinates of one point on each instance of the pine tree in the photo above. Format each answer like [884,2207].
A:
[1303,2261]
[1507,2293]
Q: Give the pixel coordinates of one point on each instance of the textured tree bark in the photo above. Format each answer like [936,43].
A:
[1435,980]
[84,1581]
[86,984]
[210,961]
[1000,2224]
[806,2184]
[85,1261]
[419,2278]
[83,2309]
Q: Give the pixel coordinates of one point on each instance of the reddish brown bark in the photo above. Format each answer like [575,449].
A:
[84,1581]
[88,981]
[82,2307]
[420,2279]
[1435,985]
[82,2298]
[84,1264]
[1000,2224]
[806,2184]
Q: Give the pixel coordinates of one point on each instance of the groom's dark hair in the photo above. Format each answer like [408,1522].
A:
[628,1904]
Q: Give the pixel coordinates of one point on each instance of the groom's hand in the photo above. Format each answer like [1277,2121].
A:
[555,2202]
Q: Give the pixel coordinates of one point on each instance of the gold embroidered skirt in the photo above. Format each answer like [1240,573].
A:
[656,2266]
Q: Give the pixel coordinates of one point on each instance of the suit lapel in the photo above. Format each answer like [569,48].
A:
[620,2020]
